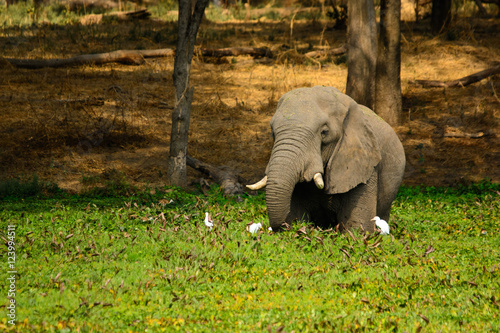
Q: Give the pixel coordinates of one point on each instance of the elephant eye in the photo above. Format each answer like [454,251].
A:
[324,133]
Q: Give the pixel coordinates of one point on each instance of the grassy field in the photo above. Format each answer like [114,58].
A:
[148,262]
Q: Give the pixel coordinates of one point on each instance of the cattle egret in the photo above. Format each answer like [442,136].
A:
[270,229]
[382,225]
[254,228]
[208,222]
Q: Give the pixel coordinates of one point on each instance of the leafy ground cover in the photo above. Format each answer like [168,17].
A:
[148,262]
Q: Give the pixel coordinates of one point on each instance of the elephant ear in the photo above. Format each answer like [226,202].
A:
[355,156]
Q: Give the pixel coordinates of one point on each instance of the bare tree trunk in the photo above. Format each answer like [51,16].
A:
[362,51]
[441,15]
[189,22]
[388,99]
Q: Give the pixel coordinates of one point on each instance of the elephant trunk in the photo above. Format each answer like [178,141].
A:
[286,168]
[280,185]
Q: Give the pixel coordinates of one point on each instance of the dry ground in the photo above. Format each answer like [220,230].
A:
[76,126]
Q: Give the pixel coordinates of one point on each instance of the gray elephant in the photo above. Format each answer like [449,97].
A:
[334,162]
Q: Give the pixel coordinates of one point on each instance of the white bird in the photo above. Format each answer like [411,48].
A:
[208,222]
[254,228]
[270,229]
[382,225]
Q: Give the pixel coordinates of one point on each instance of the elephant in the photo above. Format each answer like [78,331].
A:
[333,163]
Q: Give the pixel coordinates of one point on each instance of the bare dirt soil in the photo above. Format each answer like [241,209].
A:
[80,126]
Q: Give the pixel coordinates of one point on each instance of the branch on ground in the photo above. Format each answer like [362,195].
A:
[224,176]
[141,14]
[332,52]
[465,81]
[450,132]
[237,51]
[75,5]
[130,57]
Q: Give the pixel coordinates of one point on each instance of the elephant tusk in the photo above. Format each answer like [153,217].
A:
[318,180]
[260,184]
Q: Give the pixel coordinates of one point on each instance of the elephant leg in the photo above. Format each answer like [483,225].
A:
[299,205]
[308,203]
[359,206]
[387,191]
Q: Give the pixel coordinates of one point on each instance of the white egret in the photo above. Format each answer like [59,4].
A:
[254,228]
[208,222]
[382,225]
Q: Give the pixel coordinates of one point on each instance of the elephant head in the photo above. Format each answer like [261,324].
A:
[320,135]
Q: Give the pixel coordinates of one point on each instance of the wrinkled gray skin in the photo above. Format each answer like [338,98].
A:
[361,159]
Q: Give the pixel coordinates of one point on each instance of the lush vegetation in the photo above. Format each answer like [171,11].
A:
[148,261]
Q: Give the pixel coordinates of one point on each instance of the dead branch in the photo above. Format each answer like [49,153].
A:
[141,14]
[465,81]
[128,57]
[225,177]
[89,101]
[258,52]
[453,132]
[332,52]
[464,135]
[74,5]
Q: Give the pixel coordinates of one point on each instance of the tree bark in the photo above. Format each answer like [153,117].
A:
[441,15]
[388,99]
[189,22]
[362,51]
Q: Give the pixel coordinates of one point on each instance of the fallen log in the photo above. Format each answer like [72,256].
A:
[141,14]
[333,52]
[224,176]
[128,57]
[75,5]
[465,81]
[259,52]
[451,132]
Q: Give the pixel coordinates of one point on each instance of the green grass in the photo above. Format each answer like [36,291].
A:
[135,263]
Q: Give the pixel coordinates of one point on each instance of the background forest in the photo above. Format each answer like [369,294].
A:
[90,124]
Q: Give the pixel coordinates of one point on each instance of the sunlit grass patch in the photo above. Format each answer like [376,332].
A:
[148,261]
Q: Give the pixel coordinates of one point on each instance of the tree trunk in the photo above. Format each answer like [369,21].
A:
[441,15]
[388,99]
[362,51]
[189,22]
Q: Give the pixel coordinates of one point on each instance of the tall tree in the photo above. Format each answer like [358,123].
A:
[388,99]
[441,15]
[362,51]
[189,22]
